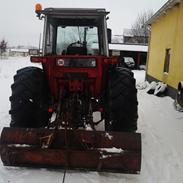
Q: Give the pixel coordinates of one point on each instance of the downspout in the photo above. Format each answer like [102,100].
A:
[147,59]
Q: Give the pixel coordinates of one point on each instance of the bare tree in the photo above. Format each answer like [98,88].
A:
[3,47]
[139,28]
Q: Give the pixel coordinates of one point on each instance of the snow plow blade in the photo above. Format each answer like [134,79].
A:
[72,149]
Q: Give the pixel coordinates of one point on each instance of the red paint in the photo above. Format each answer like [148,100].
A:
[101,109]
[79,155]
[50,110]
[55,74]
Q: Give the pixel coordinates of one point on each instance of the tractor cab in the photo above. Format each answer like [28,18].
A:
[74,31]
[75,49]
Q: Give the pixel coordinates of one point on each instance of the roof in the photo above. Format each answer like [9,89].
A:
[133,32]
[22,50]
[74,11]
[125,47]
[168,5]
[128,47]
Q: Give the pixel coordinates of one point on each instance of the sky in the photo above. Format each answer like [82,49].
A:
[20,26]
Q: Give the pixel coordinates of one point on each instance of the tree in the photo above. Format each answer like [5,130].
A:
[139,28]
[3,46]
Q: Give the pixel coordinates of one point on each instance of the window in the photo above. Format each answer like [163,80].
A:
[79,37]
[49,40]
[167,60]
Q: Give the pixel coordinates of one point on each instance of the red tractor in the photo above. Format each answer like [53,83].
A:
[52,107]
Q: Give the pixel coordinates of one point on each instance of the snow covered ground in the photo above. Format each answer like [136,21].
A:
[162,140]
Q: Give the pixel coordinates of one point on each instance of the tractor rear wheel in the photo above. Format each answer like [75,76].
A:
[122,101]
[30,98]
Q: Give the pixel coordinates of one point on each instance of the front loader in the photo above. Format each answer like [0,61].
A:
[52,108]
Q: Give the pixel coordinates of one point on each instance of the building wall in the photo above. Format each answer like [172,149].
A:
[167,32]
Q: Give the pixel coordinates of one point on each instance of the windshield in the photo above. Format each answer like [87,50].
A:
[77,40]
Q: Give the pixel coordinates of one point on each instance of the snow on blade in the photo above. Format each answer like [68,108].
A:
[111,150]
[19,145]
[107,135]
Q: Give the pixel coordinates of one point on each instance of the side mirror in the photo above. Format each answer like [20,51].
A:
[109,35]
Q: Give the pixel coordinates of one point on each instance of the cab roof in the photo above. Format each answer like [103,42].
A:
[70,12]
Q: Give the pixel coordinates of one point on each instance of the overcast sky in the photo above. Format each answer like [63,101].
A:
[19,25]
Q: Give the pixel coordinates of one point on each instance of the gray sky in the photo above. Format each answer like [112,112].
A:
[19,25]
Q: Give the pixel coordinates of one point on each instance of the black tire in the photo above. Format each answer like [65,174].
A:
[179,97]
[30,99]
[122,101]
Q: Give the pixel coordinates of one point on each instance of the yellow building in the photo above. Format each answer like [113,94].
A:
[165,58]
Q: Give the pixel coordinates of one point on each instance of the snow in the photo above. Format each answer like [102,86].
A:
[110,137]
[160,124]
[20,50]
[181,83]
[125,47]
[111,150]
[161,87]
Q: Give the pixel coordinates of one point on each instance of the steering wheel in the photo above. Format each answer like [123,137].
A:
[77,48]
[75,44]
